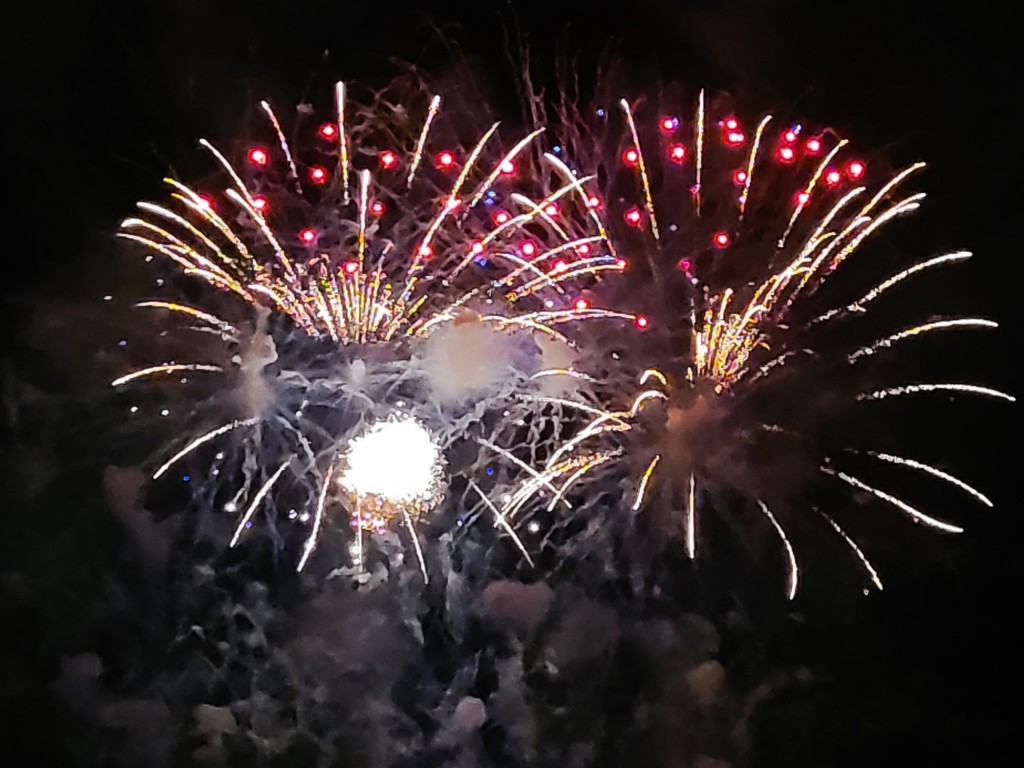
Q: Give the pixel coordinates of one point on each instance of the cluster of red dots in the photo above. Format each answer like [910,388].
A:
[733,135]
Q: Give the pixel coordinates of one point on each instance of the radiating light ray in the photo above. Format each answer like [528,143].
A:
[202,439]
[161,369]
[700,153]
[691,519]
[645,479]
[522,465]
[937,325]
[318,516]
[653,373]
[875,578]
[562,372]
[804,199]
[499,519]
[793,572]
[933,471]
[184,309]
[339,105]
[432,110]
[948,258]
[910,389]
[901,505]
[594,462]
[257,499]
[416,545]
[281,140]
[642,165]
[752,164]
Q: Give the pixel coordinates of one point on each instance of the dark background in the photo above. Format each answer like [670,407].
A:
[102,98]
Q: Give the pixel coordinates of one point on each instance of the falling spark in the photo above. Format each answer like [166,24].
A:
[917,515]
[793,572]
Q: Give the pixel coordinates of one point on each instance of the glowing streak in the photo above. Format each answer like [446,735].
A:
[643,397]
[805,197]
[523,466]
[198,442]
[700,151]
[648,200]
[198,314]
[934,473]
[856,550]
[572,404]
[642,490]
[562,372]
[281,140]
[790,554]
[318,516]
[364,186]
[339,102]
[416,545]
[751,164]
[691,519]
[435,106]
[878,290]
[569,178]
[499,519]
[260,495]
[909,389]
[593,462]
[496,172]
[165,368]
[653,373]
[938,325]
[159,210]
[901,505]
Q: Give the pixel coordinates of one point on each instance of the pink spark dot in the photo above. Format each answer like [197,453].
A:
[387,159]
[258,156]
[787,154]
[318,174]
[425,251]
[634,217]
[501,217]
[328,131]
[445,159]
[833,177]
[677,153]
[802,198]
[528,248]
[351,267]
[721,239]
[307,235]
[508,168]
[631,156]
[260,203]
[641,322]
[813,145]
[855,169]
[582,304]
[377,208]
[594,202]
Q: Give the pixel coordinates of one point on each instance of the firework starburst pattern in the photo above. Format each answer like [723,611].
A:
[414,309]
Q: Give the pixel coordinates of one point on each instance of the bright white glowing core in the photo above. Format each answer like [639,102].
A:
[395,461]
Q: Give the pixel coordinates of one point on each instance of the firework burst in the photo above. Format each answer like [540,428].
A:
[734,229]
[399,287]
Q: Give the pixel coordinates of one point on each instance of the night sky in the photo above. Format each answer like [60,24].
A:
[103,98]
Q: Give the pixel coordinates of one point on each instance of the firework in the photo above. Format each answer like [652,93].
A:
[739,226]
[376,296]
